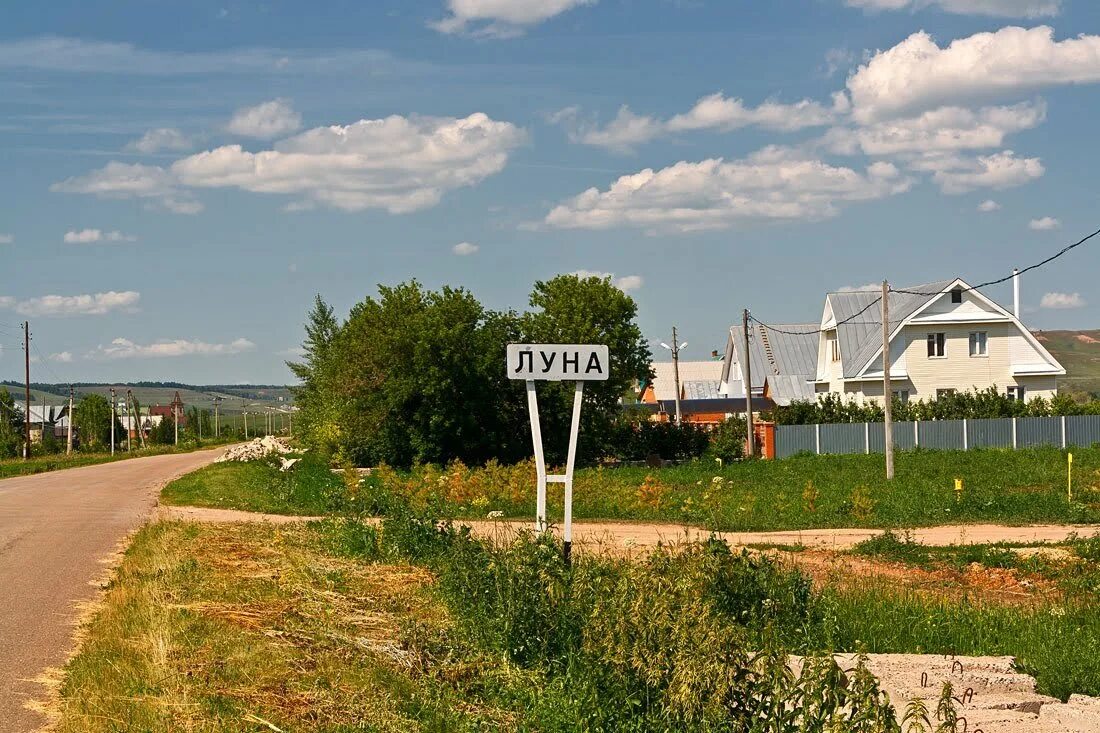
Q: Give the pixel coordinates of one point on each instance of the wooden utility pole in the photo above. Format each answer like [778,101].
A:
[887,392]
[27,404]
[217,425]
[69,442]
[137,417]
[246,426]
[746,374]
[114,404]
[676,372]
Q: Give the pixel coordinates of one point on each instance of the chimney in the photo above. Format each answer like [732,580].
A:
[1016,293]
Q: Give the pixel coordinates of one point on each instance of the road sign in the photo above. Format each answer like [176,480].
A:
[558,362]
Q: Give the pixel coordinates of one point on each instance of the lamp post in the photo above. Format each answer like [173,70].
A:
[675,349]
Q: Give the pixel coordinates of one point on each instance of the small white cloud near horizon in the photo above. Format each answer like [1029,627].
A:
[500,18]
[869,287]
[464,249]
[265,121]
[1044,224]
[1062,301]
[988,205]
[91,236]
[295,351]
[62,356]
[626,283]
[161,139]
[7,238]
[96,304]
[121,348]
[991,8]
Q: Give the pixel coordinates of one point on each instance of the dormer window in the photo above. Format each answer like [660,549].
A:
[956,295]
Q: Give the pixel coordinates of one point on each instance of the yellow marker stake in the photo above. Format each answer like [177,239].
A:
[958,489]
[1069,477]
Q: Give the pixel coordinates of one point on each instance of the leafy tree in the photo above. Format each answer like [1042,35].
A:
[92,421]
[316,395]
[11,426]
[586,310]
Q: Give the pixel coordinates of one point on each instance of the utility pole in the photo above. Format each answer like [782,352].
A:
[176,422]
[69,443]
[675,349]
[137,417]
[217,426]
[114,405]
[27,414]
[290,421]
[746,374]
[887,393]
[246,426]
[129,424]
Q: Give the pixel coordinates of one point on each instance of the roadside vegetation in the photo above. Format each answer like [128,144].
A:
[802,492]
[12,467]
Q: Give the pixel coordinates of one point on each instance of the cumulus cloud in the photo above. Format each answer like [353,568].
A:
[152,184]
[869,287]
[7,238]
[161,139]
[266,121]
[712,112]
[398,164]
[995,8]
[122,348]
[1062,301]
[988,205]
[626,283]
[960,174]
[62,356]
[95,304]
[500,18]
[774,184]
[941,129]
[918,74]
[90,236]
[1045,224]
[465,248]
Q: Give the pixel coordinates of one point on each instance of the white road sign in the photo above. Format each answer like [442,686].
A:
[558,362]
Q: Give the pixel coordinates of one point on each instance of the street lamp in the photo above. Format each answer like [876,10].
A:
[675,349]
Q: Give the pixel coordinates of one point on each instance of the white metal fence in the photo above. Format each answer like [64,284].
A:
[1009,432]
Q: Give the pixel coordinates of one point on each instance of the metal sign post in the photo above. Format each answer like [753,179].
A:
[556,363]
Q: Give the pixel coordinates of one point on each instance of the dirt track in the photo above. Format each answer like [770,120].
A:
[56,530]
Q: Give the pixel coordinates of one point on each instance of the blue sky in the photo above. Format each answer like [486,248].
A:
[179,179]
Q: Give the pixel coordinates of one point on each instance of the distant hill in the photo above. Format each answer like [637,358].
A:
[236,398]
[1079,352]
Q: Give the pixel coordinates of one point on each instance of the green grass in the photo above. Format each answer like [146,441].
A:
[41,464]
[257,486]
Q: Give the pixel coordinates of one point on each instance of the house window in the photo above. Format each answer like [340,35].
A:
[902,395]
[1016,393]
[957,295]
[941,393]
[834,350]
[936,343]
[979,343]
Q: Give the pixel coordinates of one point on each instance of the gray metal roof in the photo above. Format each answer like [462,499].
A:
[774,353]
[702,390]
[861,338]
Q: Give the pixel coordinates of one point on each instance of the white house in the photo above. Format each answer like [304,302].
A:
[944,337]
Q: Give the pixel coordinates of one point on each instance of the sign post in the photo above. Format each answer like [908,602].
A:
[556,363]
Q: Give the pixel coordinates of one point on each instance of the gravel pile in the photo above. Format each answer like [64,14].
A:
[256,449]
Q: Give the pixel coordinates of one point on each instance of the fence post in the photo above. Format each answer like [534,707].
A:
[966,440]
[867,437]
[1013,433]
[916,433]
[1063,431]
[817,438]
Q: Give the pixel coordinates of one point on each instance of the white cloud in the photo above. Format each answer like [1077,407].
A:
[941,129]
[96,304]
[266,121]
[62,356]
[89,236]
[465,248]
[774,184]
[869,287]
[626,283]
[1062,301]
[918,74]
[398,164]
[713,112]
[121,348]
[996,8]
[7,238]
[115,180]
[293,351]
[988,205]
[957,174]
[1045,224]
[501,18]
[162,138]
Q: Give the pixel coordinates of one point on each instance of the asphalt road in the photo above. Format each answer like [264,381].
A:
[55,531]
